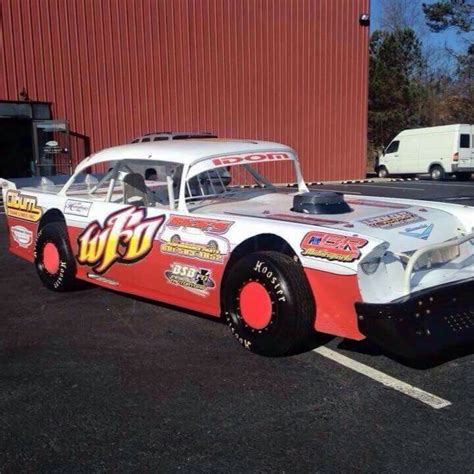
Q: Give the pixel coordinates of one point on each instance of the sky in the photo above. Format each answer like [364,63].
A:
[449,37]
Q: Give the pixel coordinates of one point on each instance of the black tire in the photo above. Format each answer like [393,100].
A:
[64,278]
[437,173]
[382,172]
[292,309]
[463,176]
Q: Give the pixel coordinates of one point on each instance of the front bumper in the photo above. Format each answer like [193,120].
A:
[423,323]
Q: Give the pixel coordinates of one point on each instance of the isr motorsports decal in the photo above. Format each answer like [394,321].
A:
[395,219]
[332,246]
[250,158]
[22,236]
[212,226]
[22,206]
[209,251]
[77,208]
[126,236]
[197,280]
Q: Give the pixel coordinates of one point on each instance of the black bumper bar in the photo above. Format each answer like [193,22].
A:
[423,323]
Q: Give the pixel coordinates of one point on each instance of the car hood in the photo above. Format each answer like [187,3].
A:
[404,226]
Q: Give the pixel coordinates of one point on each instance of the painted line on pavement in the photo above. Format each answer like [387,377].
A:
[425,397]
[370,185]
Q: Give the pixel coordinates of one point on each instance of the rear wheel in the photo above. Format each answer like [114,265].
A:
[437,173]
[268,304]
[54,259]
[382,172]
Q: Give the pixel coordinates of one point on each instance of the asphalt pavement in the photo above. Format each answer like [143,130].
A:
[94,381]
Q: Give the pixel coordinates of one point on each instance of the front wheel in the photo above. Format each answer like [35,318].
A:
[54,259]
[268,304]
[382,172]
[437,173]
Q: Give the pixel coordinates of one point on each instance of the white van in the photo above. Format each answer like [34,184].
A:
[439,151]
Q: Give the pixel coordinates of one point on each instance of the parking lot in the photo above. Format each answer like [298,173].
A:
[96,380]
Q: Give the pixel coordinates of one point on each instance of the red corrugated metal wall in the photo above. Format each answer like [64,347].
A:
[293,71]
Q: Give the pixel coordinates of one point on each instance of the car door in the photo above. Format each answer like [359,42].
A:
[466,152]
[391,157]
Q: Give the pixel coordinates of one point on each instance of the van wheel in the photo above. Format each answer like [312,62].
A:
[267,303]
[382,172]
[54,259]
[437,173]
[463,176]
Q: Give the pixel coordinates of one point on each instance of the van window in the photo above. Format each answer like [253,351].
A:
[393,147]
[464,141]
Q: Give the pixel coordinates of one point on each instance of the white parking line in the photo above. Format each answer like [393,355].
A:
[411,188]
[425,397]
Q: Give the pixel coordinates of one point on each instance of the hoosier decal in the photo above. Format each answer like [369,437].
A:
[22,206]
[126,236]
[194,279]
[332,246]
[395,219]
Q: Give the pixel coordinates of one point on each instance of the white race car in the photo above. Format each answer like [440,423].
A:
[211,233]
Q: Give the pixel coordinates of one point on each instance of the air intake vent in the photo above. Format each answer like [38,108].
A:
[320,203]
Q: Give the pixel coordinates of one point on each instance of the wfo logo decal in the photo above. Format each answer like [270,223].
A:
[126,236]
[421,231]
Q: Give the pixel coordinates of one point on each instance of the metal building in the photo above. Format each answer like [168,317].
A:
[293,71]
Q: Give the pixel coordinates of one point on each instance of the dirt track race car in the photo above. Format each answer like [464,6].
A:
[211,233]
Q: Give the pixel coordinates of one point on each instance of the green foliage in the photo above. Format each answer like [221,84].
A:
[446,14]
[396,91]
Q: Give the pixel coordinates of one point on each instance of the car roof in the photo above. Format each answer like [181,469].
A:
[179,151]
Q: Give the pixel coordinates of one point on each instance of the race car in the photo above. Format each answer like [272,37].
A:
[213,233]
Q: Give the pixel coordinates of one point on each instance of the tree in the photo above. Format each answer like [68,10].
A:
[396,91]
[446,14]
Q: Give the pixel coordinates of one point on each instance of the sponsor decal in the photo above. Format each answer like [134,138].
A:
[22,206]
[197,280]
[332,246]
[126,237]
[250,158]
[396,219]
[211,226]
[77,208]
[22,236]
[421,231]
[209,251]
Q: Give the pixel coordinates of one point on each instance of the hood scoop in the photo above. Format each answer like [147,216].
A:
[324,202]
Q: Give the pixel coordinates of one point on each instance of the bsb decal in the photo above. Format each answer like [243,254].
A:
[77,208]
[126,236]
[332,246]
[211,226]
[197,280]
[396,219]
[421,231]
[22,236]
[22,206]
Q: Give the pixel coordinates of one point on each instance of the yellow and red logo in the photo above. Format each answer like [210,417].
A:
[22,206]
[126,236]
